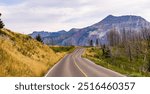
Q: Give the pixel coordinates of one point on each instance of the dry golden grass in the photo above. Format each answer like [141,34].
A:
[20,55]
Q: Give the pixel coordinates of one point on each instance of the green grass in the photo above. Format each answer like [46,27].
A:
[62,48]
[118,63]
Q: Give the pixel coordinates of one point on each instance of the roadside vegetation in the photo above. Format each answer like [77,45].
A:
[120,63]
[127,53]
[57,49]
[20,55]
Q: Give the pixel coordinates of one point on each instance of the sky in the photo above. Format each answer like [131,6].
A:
[26,16]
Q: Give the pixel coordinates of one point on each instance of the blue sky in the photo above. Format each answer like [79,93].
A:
[10,2]
[26,16]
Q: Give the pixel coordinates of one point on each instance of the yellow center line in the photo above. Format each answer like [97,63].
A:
[80,68]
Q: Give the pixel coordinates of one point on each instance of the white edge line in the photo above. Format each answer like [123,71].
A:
[54,66]
[105,68]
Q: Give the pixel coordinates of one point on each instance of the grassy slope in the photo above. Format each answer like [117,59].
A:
[20,55]
[119,64]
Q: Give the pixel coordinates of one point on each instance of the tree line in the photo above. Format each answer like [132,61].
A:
[135,45]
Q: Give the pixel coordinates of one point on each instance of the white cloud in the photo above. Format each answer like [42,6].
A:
[54,15]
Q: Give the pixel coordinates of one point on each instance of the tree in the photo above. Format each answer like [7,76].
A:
[124,37]
[148,66]
[106,51]
[113,37]
[1,23]
[130,53]
[91,42]
[97,42]
[38,38]
[148,41]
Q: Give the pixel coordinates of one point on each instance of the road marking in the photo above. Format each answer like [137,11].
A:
[108,70]
[55,66]
[80,68]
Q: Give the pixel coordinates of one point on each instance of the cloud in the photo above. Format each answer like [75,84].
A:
[26,16]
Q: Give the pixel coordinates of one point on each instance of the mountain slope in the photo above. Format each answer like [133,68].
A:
[20,55]
[81,37]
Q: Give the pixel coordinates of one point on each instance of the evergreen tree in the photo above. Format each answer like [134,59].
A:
[149,66]
[97,42]
[91,42]
[38,38]
[106,51]
[103,49]
[1,23]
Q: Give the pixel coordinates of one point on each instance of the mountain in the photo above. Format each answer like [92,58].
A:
[98,31]
[46,34]
[21,55]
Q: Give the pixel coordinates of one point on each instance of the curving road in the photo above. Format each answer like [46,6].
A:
[73,65]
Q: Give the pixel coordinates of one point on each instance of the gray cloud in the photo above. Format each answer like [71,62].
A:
[28,15]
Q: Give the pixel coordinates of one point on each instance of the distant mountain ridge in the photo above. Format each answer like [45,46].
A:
[81,37]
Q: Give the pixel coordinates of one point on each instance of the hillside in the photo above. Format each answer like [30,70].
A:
[98,31]
[119,61]
[20,55]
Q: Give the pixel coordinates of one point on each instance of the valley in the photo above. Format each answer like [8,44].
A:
[119,43]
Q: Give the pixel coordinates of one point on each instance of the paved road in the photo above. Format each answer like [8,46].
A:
[73,65]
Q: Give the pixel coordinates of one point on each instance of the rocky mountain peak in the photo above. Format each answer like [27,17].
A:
[99,30]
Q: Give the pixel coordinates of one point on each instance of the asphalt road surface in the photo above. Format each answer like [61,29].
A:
[73,65]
